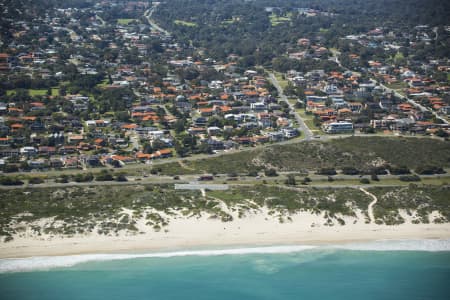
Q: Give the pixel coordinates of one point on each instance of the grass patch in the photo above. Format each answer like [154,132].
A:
[185,23]
[36,92]
[283,82]
[125,21]
[309,121]
[397,85]
[277,20]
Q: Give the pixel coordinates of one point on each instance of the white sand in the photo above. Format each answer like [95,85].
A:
[257,228]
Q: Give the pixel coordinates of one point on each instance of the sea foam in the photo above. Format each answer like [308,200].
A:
[50,262]
[399,245]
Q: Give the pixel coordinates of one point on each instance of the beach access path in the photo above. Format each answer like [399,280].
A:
[371,204]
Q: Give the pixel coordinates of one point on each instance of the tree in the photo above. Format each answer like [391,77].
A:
[270,172]
[290,180]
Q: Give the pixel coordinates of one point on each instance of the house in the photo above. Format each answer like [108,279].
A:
[338,127]
[28,151]
[46,150]
[6,141]
[93,161]
[8,152]
[56,163]
[258,106]
[38,164]
[213,130]
[290,132]
[215,144]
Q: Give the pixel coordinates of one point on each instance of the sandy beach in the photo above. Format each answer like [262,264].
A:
[257,228]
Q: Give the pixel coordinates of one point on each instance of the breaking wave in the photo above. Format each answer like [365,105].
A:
[47,262]
[50,262]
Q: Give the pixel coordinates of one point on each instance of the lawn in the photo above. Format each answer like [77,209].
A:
[125,21]
[283,82]
[397,85]
[309,121]
[104,83]
[36,92]
[277,20]
[185,23]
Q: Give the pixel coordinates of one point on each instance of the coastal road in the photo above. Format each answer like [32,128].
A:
[148,14]
[305,129]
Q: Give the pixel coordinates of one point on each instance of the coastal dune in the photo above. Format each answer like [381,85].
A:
[256,228]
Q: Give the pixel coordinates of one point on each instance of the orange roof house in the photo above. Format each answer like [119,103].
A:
[129,126]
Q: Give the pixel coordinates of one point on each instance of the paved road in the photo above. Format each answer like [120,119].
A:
[305,129]
[335,58]
[148,14]
[410,101]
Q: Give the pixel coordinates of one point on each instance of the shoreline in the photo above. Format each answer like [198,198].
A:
[254,230]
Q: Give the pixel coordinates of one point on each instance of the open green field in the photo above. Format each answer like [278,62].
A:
[277,20]
[36,92]
[185,23]
[125,21]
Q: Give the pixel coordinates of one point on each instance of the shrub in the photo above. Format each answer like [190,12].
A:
[365,181]
[271,172]
[374,177]
[121,177]
[252,173]
[350,171]
[36,180]
[104,176]
[429,170]
[290,180]
[409,178]
[83,178]
[401,170]
[327,171]
[10,168]
[62,179]
[6,180]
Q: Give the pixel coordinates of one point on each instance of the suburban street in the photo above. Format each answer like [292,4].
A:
[304,129]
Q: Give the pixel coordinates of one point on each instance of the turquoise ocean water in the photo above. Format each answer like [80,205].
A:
[377,270]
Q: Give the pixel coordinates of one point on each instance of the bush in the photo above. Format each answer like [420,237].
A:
[374,177]
[83,178]
[252,173]
[6,180]
[350,171]
[104,176]
[429,170]
[36,180]
[327,171]
[290,180]
[62,179]
[270,172]
[376,171]
[121,178]
[365,181]
[409,178]
[10,168]
[401,170]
